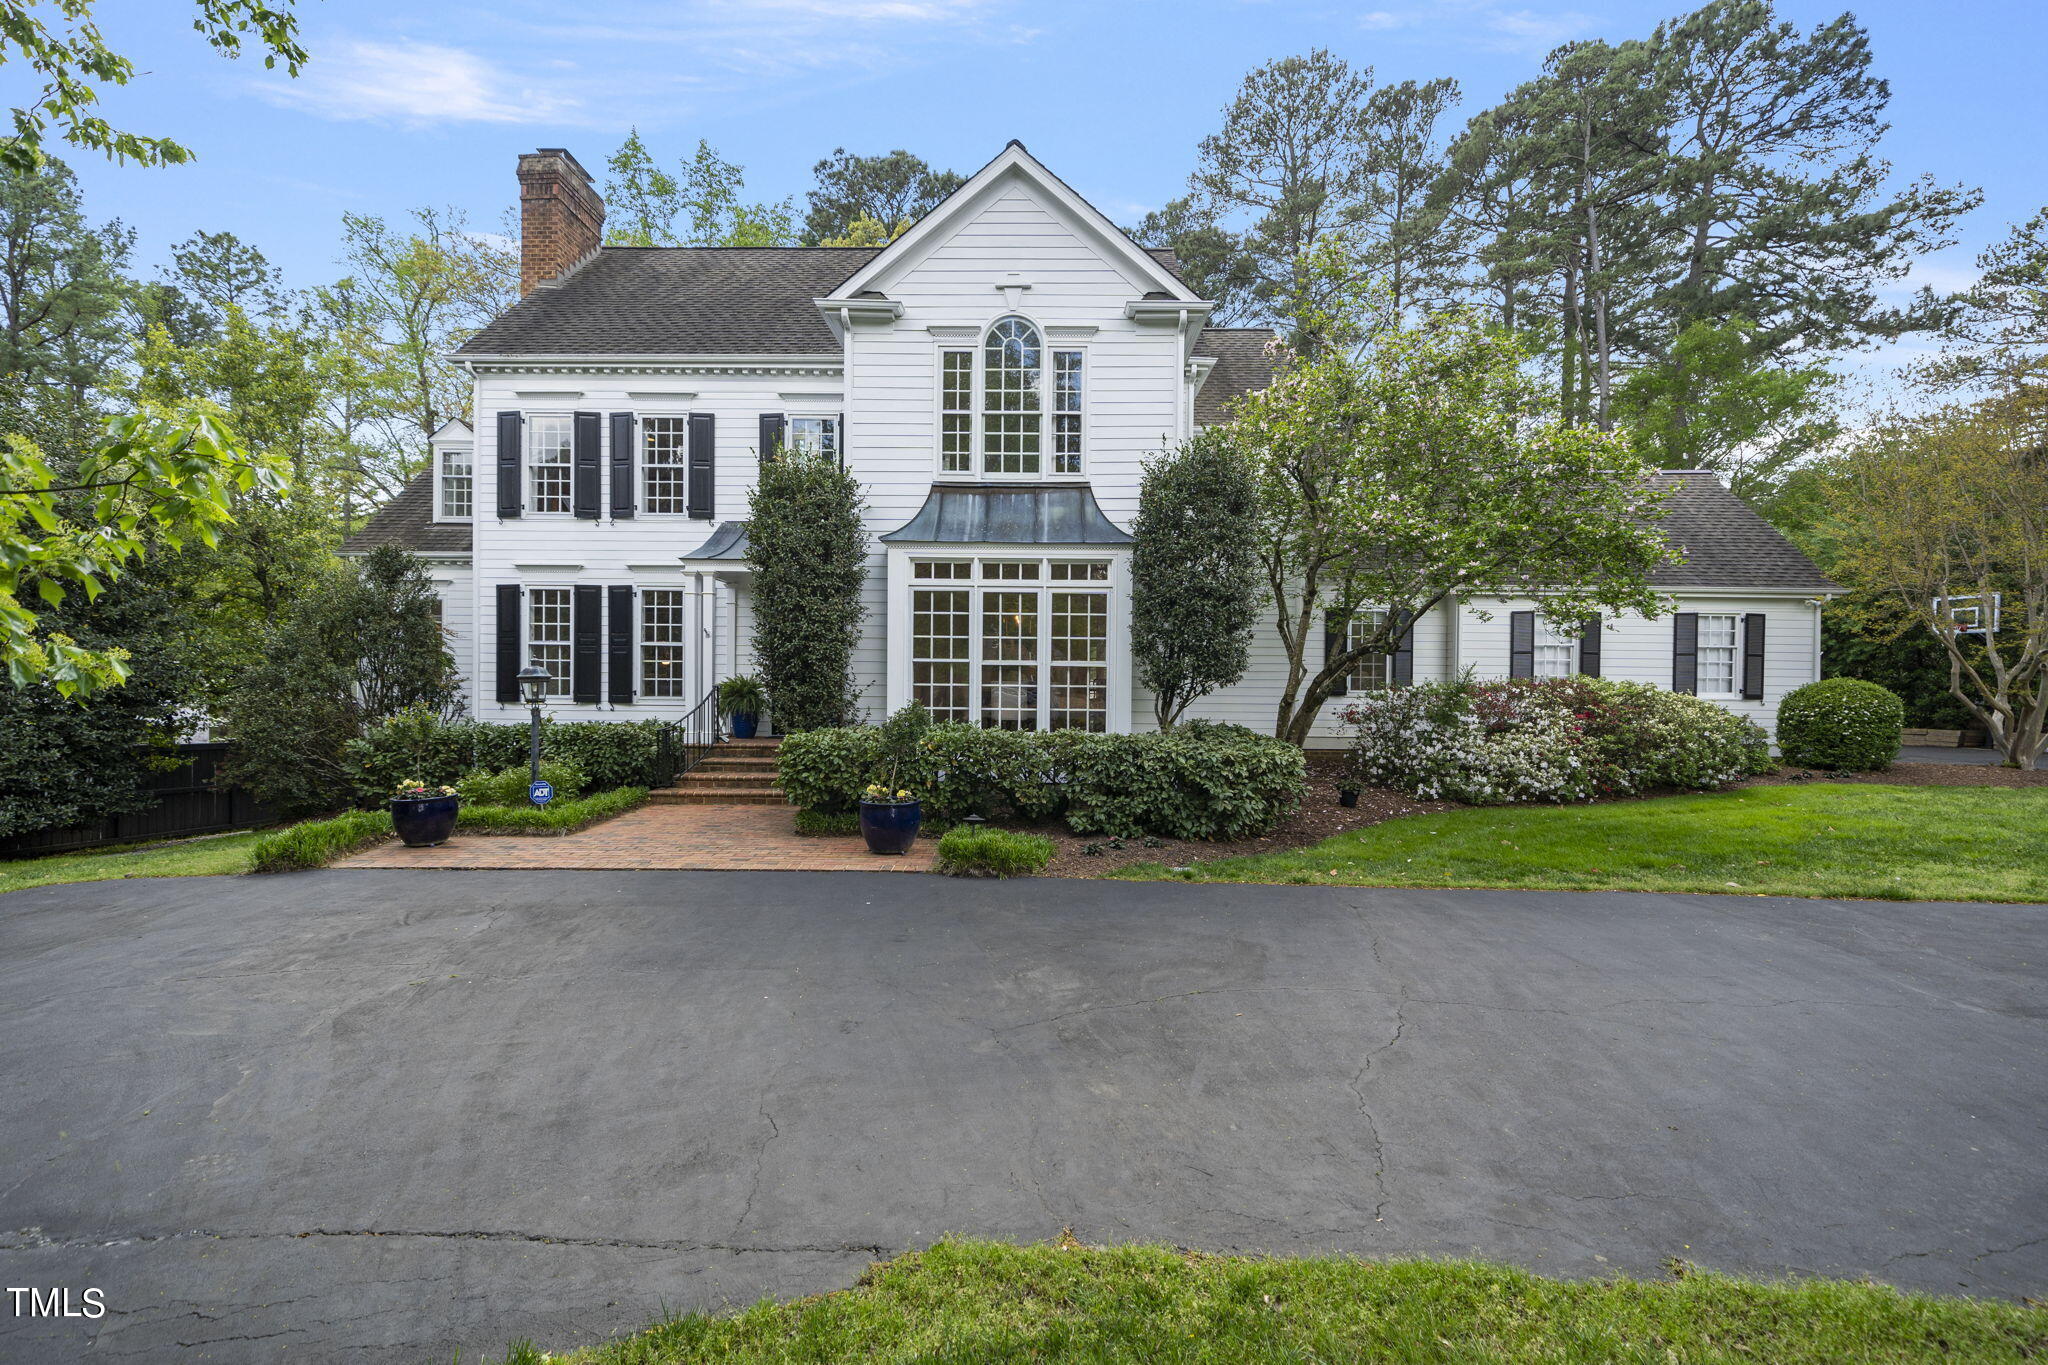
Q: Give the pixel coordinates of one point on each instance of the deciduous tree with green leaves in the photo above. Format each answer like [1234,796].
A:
[891,189]
[1427,469]
[698,204]
[809,556]
[1196,584]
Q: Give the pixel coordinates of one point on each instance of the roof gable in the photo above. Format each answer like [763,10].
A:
[1015,170]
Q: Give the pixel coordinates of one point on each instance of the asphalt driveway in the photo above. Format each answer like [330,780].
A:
[360,1114]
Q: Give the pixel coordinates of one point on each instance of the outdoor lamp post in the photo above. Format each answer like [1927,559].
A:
[533,687]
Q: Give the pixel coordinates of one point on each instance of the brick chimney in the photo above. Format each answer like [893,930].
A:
[561,219]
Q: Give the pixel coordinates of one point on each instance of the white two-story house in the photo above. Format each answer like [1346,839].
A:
[995,377]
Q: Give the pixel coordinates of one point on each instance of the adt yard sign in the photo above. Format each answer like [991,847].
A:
[540,793]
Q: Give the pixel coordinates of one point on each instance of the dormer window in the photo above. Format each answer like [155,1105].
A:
[998,416]
[456,484]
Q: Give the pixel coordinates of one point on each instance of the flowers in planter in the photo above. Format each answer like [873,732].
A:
[413,789]
[878,791]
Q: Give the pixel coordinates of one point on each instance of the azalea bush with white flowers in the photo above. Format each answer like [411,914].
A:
[1551,739]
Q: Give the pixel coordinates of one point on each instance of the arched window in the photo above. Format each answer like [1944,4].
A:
[1012,367]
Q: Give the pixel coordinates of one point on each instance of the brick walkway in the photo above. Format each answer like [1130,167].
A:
[711,838]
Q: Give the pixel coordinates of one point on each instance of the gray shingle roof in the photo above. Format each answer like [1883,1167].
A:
[964,514]
[1727,544]
[685,300]
[407,521]
[1241,366]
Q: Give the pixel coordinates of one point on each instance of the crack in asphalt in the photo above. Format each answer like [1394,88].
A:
[1379,1146]
[760,1160]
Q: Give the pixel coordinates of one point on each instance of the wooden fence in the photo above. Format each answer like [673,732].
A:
[185,800]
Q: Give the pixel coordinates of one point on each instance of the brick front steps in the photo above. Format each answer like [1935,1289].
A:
[739,772]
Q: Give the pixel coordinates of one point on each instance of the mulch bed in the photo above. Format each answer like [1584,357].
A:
[1319,815]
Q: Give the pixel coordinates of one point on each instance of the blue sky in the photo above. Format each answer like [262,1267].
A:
[430,101]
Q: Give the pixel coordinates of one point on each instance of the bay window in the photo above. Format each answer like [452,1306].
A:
[1011,644]
[997,399]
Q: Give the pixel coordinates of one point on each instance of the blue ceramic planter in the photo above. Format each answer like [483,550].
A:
[426,822]
[890,826]
[743,724]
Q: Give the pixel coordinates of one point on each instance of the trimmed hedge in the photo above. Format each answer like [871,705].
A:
[557,817]
[1841,724]
[609,754]
[1549,739]
[968,852]
[1197,781]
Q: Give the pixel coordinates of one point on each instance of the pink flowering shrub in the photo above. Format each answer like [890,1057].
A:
[1548,739]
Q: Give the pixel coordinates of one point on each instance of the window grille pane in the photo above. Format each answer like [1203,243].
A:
[1010,570]
[1081,571]
[549,443]
[662,636]
[956,411]
[457,483]
[1370,673]
[1557,656]
[819,434]
[664,464]
[1717,653]
[942,568]
[547,633]
[1066,405]
[938,651]
[1011,373]
[1078,677]
[1009,649]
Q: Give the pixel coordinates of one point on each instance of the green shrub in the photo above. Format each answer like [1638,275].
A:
[316,843]
[508,786]
[1841,724]
[966,851]
[824,822]
[1198,781]
[557,817]
[416,745]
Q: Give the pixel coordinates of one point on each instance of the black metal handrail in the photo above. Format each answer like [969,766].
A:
[685,743]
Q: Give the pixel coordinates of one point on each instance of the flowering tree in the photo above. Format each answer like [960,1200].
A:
[1424,469]
[1948,506]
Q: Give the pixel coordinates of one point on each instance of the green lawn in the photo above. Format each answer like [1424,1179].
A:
[1892,843]
[983,1302]
[187,858]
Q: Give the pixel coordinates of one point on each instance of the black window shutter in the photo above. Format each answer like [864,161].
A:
[1685,652]
[622,464]
[703,465]
[1753,656]
[1522,644]
[618,644]
[772,427]
[510,660]
[585,629]
[841,429]
[1403,671]
[1337,638]
[509,441]
[1589,646]
[589,427]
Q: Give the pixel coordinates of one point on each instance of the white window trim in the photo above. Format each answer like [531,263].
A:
[976,471]
[790,419]
[526,602]
[531,504]
[1547,633]
[441,454]
[1734,674]
[640,417]
[1118,585]
[1365,616]
[688,645]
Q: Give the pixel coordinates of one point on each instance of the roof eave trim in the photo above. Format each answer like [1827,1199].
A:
[1168,310]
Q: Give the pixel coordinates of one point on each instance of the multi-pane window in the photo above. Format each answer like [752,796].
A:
[1011,373]
[1557,654]
[550,442]
[664,464]
[939,639]
[1370,673]
[997,648]
[1079,680]
[458,484]
[661,642]
[819,435]
[956,412]
[1717,656]
[1066,412]
[547,635]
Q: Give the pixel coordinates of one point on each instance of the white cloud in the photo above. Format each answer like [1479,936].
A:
[416,83]
[1482,23]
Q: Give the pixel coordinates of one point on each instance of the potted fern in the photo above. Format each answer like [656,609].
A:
[741,700]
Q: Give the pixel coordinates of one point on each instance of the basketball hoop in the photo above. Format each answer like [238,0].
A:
[1973,615]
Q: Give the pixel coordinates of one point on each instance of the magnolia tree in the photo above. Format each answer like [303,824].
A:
[1424,469]
[1195,580]
[1942,521]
